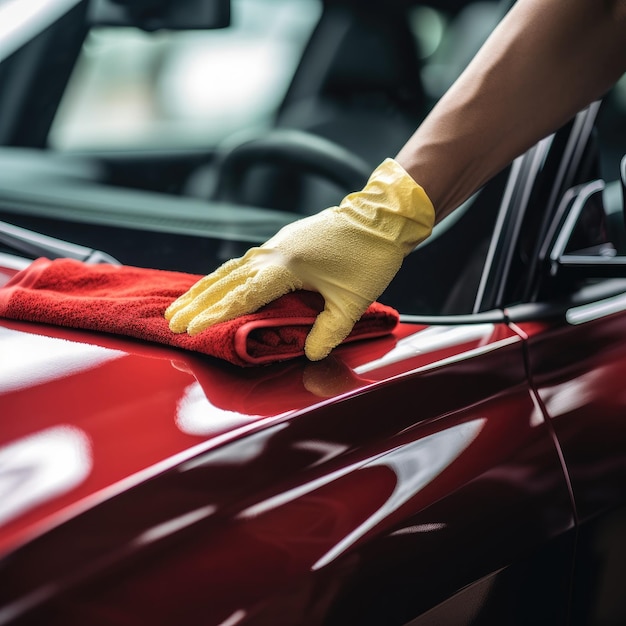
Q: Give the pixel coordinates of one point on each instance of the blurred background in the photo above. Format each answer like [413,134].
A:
[137,89]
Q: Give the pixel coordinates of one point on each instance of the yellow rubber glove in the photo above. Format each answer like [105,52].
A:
[349,254]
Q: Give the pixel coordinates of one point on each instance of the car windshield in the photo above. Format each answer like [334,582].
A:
[132,89]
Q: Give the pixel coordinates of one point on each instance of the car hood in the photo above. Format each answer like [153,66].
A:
[87,416]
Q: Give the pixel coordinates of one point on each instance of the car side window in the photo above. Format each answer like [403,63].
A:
[585,243]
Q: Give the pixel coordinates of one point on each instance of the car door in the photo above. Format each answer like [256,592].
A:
[575,325]
[488,537]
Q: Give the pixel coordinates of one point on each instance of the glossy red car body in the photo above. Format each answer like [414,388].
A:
[201,492]
[470,468]
[152,486]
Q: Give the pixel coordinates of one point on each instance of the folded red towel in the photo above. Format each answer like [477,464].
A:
[131,301]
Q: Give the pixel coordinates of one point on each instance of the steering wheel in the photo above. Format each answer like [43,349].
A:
[294,151]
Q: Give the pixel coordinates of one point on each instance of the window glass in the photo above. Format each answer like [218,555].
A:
[134,89]
[611,130]
[602,219]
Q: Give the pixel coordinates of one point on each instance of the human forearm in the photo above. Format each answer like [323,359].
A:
[547,60]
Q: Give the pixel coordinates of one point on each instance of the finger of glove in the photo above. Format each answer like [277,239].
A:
[258,290]
[330,328]
[211,297]
[202,285]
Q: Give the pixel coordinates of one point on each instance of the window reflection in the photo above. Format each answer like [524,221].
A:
[137,89]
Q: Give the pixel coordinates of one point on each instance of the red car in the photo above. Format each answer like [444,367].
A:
[469,468]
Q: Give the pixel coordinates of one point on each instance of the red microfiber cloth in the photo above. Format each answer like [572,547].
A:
[130,301]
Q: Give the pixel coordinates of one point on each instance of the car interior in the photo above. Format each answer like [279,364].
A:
[363,75]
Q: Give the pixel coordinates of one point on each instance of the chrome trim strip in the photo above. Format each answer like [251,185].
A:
[596,310]
[13,262]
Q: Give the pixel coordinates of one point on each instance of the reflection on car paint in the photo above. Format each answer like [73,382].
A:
[415,465]
[39,467]
[28,359]
[326,449]
[196,416]
[174,525]
[432,339]
[563,398]
[294,494]
[244,451]
[418,528]
[236,618]
[537,416]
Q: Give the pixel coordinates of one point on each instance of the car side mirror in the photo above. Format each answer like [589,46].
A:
[591,239]
[151,15]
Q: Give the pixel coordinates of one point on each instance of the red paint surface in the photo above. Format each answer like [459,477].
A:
[297,493]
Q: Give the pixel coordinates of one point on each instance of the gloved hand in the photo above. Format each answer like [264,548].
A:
[348,253]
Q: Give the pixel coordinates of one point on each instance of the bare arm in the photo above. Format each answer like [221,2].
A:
[546,60]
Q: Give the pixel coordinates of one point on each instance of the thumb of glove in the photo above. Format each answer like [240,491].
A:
[331,327]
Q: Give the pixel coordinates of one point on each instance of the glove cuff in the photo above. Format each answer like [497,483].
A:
[392,205]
